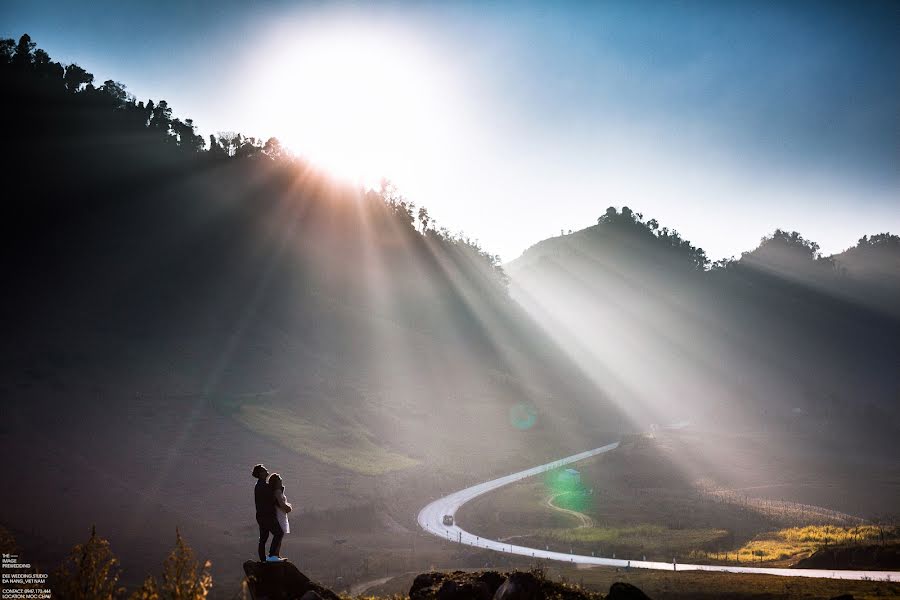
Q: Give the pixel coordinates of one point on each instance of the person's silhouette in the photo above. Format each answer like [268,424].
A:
[265,516]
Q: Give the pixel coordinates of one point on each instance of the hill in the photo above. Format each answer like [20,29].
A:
[177,309]
[180,310]
[786,348]
[779,336]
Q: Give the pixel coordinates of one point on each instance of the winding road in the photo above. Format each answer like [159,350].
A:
[431,520]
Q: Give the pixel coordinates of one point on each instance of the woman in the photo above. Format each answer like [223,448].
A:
[282,506]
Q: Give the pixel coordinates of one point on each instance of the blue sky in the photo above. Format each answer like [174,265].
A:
[721,119]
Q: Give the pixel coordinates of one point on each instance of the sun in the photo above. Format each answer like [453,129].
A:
[362,105]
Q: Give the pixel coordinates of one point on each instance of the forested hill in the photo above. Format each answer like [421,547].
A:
[141,259]
[778,333]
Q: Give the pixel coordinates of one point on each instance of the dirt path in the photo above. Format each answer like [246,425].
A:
[586,521]
[359,588]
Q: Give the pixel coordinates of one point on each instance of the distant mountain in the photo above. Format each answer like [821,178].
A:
[779,332]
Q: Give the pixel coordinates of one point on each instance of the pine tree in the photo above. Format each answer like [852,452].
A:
[91,572]
[182,578]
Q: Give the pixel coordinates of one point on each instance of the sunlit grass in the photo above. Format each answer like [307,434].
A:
[796,542]
[650,537]
[345,447]
[708,586]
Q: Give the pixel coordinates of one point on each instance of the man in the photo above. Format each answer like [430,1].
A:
[265,516]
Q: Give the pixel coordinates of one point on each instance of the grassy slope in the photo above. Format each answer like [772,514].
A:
[643,503]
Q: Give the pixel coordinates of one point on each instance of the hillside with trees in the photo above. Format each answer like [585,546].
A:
[177,308]
[780,332]
[201,305]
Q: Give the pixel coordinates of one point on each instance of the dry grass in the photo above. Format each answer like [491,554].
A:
[694,585]
[345,447]
[796,542]
[689,585]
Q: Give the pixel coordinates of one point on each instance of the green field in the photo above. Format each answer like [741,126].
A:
[633,503]
[341,443]
[347,447]
[644,537]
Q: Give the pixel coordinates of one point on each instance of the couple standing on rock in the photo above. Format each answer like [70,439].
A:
[271,512]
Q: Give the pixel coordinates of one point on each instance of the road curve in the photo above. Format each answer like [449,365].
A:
[431,520]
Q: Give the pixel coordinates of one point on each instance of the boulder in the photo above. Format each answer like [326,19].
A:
[492,579]
[520,586]
[282,581]
[625,591]
[463,590]
[311,595]
[426,585]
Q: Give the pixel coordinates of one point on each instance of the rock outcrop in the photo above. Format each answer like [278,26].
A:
[457,585]
[520,586]
[282,581]
[625,591]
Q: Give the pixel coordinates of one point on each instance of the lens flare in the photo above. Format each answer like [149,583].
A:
[523,416]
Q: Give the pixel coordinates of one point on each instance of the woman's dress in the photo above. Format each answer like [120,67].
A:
[281,515]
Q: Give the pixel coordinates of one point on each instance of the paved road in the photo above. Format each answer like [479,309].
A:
[431,520]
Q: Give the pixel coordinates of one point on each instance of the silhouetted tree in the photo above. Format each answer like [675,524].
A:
[229,141]
[7,49]
[116,91]
[423,217]
[23,52]
[76,77]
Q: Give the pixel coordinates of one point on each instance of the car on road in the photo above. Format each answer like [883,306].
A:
[448,519]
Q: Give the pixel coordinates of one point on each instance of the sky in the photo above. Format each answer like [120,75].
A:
[515,121]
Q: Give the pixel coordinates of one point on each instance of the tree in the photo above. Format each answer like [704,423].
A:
[182,578]
[24,49]
[424,218]
[273,149]
[186,136]
[41,57]
[248,147]
[792,242]
[115,90]
[161,119]
[148,590]
[215,149]
[229,141]
[7,50]
[609,216]
[75,77]
[90,572]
